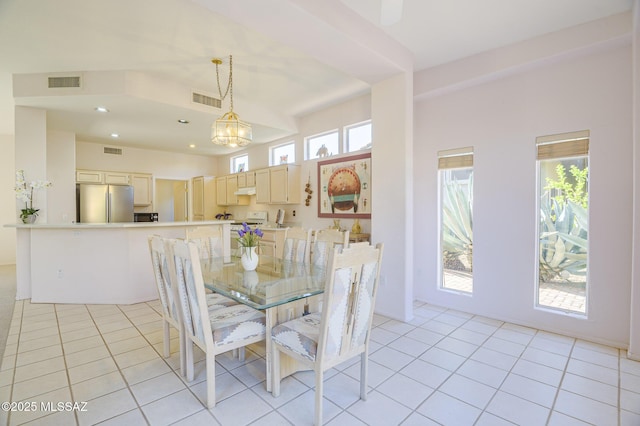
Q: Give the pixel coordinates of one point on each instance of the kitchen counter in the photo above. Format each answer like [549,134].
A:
[93,263]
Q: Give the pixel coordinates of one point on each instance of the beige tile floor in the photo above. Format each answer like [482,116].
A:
[445,367]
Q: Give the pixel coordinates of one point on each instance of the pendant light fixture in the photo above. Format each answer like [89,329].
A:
[229,130]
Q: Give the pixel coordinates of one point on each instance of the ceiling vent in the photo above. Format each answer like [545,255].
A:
[199,98]
[64,82]
[114,151]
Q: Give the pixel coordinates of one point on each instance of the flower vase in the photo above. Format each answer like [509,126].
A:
[29,219]
[356,229]
[249,258]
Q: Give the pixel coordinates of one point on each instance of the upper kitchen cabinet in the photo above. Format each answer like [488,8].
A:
[278,185]
[247,179]
[117,178]
[285,184]
[263,195]
[142,189]
[89,176]
[204,198]
[226,187]
[142,183]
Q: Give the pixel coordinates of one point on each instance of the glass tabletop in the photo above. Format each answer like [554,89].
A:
[274,282]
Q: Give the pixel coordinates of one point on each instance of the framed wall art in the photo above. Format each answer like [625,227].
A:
[345,187]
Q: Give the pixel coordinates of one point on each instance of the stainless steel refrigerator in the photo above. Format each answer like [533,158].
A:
[104,203]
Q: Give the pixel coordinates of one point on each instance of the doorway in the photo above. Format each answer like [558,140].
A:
[171,200]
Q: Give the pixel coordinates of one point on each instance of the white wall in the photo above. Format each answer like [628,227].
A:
[61,196]
[8,197]
[162,164]
[501,120]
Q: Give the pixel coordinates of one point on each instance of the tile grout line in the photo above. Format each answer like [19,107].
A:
[164,360]
[64,360]
[619,387]
[564,372]
[93,319]
[15,360]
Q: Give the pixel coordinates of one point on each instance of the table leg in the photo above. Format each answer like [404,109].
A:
[271,319]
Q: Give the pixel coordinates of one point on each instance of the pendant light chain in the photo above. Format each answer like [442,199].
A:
[229,83]
[230,87]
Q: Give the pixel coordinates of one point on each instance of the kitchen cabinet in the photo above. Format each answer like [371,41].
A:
[284,184]
[226,187]
[246,179]
[204,199]
[272,242]
[89,176]
[251,179]
[116,178]
[263,195]
[278,185]
[142,189]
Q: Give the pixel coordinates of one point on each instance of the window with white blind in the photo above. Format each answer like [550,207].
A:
[455,174]
[563,221]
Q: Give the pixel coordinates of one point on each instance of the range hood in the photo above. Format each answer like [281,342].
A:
[249,190]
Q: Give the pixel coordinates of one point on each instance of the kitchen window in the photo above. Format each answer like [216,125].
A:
[563,221]
[240,163]
[358,136]
[455,174]
[323,145]
[283,154]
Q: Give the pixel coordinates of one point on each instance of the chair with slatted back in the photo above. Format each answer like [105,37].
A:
[324,241]
[168,297]
[208,239]
[341,331]
[297,245]
[216,331]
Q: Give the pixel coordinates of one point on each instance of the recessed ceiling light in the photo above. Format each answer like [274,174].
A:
[101,109]
[183,121]
[115,135]
[192,145]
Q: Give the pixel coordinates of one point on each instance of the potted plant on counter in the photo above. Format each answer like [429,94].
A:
[24,192]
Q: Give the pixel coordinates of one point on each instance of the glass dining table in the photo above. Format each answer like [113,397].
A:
[282,289]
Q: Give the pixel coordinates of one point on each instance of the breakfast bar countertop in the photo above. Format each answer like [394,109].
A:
[94,263]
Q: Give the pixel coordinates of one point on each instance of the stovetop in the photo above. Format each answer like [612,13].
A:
[252,218]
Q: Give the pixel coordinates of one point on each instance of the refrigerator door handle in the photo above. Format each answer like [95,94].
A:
[108,204]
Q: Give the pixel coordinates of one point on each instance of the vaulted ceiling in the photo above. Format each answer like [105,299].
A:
[143,59]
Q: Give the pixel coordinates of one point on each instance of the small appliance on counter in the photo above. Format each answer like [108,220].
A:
[280,218]
[145,217]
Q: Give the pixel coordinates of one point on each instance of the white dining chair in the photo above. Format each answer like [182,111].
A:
[341,331]
[216,331]
[208,239]
[168,295]
[324,241]
[297,245]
